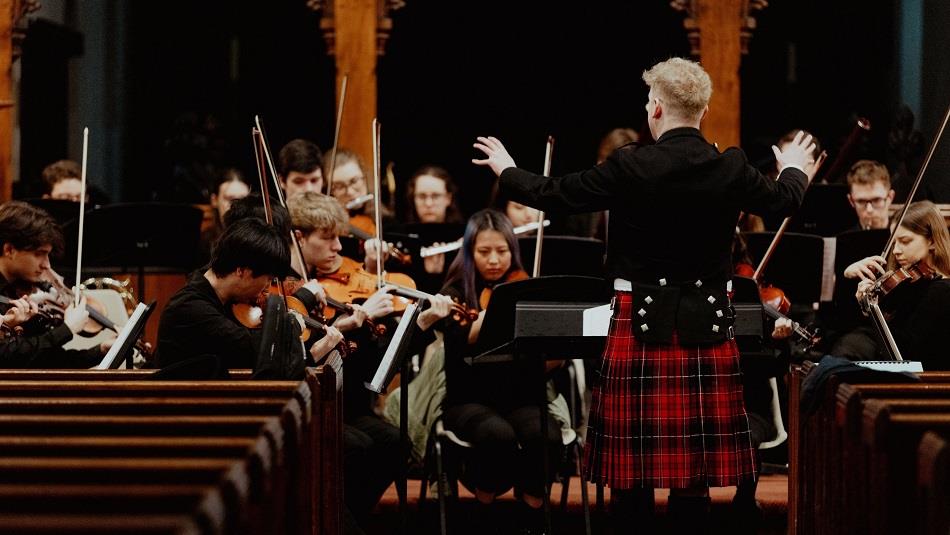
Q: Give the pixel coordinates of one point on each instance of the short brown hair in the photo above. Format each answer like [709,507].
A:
[615,139]
[310,211]
[867,173]
[56,172]
[28,228]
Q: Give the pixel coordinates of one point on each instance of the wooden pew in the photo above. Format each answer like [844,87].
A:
[321,503]
[933,484]
[818,502]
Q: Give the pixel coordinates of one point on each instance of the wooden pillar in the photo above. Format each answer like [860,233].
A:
[719,31]
[355,49]
[7,21]
[720,54]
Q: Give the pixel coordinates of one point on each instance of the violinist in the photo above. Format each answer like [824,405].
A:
[917,312]
[490,406]
[350,188]
[372,452]
[300,167]
[28,235]
[198,322]
[667,343]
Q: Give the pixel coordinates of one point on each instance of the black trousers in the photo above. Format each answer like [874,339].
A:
[372,457]
[507,450]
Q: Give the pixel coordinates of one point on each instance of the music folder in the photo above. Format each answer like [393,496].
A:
[125,341]
[389,362]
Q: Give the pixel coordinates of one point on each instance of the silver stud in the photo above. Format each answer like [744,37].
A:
[711,299]
[644,327]
[729,286]
[715,328]
[662,282]
[699,284]
[648,300]
[642,312]
[719,313]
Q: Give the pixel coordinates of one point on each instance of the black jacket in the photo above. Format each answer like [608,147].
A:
[674,205]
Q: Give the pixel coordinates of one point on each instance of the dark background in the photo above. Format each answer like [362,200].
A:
[516,70]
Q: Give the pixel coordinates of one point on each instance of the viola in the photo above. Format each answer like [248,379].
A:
[363,228]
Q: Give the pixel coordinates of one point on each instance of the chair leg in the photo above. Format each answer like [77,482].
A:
[565,489]
[440,474]
[585,503]
[600,498]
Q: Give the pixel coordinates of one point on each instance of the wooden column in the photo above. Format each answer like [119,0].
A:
[8,14]
[720,54]
[719,31]
[355,50]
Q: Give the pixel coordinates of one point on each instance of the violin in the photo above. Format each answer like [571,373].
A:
[515,275]
[893,278]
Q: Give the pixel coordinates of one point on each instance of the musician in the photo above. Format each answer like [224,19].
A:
[231,187]
[198,322]
[28,235]
[669,352]
[430,197]
[62,180]
[870,194]
[372,451]
[350,184]
[490,406]
[917,312]
[300,167]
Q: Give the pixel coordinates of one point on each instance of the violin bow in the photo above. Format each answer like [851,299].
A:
[913,191]
[377,132]
[82,213]
[757,275]
[539,238]
[266,155]
[336,133]
[257,139]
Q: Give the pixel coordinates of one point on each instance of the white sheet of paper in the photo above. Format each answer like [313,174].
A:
[597,320]
[892,365]
[123,334]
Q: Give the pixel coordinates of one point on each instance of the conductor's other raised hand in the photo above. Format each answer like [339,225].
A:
[496,156]
[798,153]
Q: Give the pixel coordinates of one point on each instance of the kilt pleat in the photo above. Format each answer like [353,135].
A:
[664,415]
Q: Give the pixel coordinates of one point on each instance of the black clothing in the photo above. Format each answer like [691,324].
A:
[917,314]
[500,385]
[38,346]
[507,448]
[674,205]
[372,457]
[196,323]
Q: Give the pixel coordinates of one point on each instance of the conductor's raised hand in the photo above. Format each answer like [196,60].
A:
[496,156]
[798,153]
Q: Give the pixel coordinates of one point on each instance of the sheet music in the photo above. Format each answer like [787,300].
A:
[597,320]
[120,339]
[828,269]
[383,372]
[892,365]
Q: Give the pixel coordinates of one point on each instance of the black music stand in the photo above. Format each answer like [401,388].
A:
[137,236]
[825,211]
[60,210]
[849,248]
[795,266]
[541,319]
[122,348]
[564,255]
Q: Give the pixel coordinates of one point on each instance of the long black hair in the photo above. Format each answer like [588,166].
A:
[463,268]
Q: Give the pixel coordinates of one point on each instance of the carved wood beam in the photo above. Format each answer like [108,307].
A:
[719,32]
[356,32]
[12,32]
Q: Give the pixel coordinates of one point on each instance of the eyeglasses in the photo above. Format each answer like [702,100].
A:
[876,202]
[340,186]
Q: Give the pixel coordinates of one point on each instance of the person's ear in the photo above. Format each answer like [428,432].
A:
[657,109]
[851,200]
[8,249]
[214,200]
[705,111]
[298,234]
[890,195]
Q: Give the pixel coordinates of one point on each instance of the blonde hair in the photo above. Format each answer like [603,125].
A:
[311,211]
[682,84]
[924,218]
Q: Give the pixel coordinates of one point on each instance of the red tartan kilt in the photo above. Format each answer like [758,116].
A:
[666,416]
